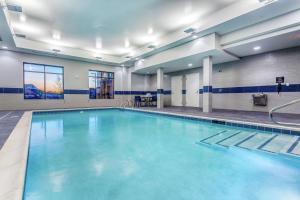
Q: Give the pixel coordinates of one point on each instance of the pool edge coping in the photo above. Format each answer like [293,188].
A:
[203,118]
[13,160]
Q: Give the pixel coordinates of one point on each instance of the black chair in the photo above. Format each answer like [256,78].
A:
[154,101]
[137,101]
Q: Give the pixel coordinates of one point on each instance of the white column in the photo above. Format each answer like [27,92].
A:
[160,88]
[207,84]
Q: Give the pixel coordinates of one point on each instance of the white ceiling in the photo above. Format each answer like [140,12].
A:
[79,23]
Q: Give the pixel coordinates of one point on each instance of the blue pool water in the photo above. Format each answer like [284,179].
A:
[123,155]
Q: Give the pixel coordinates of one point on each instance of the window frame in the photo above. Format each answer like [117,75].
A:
[44,73]
[100,77]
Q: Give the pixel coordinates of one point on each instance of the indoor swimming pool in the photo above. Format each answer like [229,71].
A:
[114,154]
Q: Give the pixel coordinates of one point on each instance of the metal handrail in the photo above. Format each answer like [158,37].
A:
[280,107]
[127,103]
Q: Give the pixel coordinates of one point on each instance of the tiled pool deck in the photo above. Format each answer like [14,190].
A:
[8,121]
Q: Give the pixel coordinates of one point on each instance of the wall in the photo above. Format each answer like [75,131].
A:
[75,78]
[258,70]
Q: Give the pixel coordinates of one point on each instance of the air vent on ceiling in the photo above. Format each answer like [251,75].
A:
[190,30]
[128,57]
[151,46]
[267,1]
[56,50]
[20,35]
[14,8]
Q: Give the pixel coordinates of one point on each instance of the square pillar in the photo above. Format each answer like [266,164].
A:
[160,88]
[207,84]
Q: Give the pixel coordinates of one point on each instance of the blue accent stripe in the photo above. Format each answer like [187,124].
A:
[160,91]
[11,90]
[165,92]
[257,89]
[76,91]
[207,89]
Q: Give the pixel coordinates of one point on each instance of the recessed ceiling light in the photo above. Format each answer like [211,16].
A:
[4,47]
[190,65]
[194,36]
[23,18]
[122,65]
[136,58]
[127,43]
[56,35]
[98,43]
[150,30]
[257,48]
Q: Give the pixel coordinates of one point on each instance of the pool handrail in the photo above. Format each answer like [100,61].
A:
[280,107]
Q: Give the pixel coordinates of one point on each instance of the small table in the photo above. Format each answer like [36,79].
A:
[147,100]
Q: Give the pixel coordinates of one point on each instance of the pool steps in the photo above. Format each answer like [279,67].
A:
[272,143]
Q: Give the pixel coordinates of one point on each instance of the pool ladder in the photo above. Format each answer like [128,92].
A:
[280,107]
[126,103]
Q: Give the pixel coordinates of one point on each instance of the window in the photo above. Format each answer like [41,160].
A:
[43,82]
[101,85]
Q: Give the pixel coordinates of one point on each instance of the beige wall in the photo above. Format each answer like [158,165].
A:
[75,77]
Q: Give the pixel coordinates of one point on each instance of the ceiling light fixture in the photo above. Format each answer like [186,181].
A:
[56,35]
[127,43]
[23,18]
[190,65]
[98,43]
[194,36]
[4,47]
[257,48]
[150,30]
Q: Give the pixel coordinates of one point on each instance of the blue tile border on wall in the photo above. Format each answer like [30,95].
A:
[165,92]
[257,89]
[205,89]
[76,91]
[11,90]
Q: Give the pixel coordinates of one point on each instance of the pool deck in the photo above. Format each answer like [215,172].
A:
[248,116]
[8,121]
